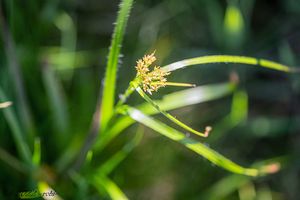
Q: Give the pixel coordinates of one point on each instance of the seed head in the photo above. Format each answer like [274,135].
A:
[151,80]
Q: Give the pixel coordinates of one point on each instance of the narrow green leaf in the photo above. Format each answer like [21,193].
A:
[112,189]
[36,157]
[191,144]
[170,102]
[169,116]
[239,107]
[15,127]
[234,28]
[190,96]
[229,59]
[228,185]
[113,58]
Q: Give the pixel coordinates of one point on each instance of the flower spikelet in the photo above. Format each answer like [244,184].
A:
[150,80]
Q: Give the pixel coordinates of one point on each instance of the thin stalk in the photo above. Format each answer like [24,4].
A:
[13,123]
[15,70]
[229,59]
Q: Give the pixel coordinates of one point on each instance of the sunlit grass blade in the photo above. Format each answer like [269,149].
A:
[234,28]
[15,127]
[171,101]
[229,59]
[15,69]
[46,190]
[177,84]
[228,185]
[112,189]
[190,96]
[191,144]
[108,97]
[67,27]
[5,104]
[170,117]
[36,157]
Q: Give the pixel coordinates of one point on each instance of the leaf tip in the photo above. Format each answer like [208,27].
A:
[208,129]
[271,168]
[5,104]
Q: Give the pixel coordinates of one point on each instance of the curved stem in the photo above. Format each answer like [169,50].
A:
[229,59]
[126,94]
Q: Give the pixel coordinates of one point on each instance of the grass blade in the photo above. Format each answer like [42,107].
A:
[36,157]
[170,102]
[229,59]
[112,189]
[169,116]
[190,96]
[191,144]
[113,58]
[14,125]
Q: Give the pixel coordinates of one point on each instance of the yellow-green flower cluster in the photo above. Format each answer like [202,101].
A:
[150,80]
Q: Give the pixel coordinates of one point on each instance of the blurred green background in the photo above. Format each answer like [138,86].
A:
[60,49]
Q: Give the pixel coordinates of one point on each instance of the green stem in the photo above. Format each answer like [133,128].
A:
[108,98]
[126,94]
[229,59]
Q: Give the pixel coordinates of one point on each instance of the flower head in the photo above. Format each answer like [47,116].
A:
[151,80]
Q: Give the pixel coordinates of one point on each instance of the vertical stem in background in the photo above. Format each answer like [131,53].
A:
[14,67]
[108,97]
[103,115]
[22,146]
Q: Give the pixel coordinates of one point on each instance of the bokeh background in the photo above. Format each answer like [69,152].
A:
[61,48]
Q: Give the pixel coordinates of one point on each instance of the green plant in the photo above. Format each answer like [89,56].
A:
[112,118]
[150,81]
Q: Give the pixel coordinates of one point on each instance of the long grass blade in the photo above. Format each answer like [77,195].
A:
[108,97]
[112,189]
[191,144]
[229,59]
[169,116]
[16,73]
[170,102]
[15,127]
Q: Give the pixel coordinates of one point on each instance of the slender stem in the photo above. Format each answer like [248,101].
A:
[127,93]
[229,59]
[175,84]
[22,146]
[16,73]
